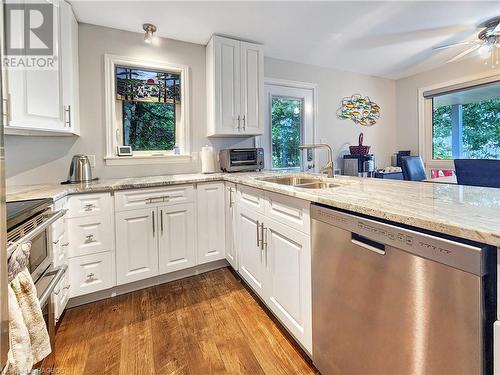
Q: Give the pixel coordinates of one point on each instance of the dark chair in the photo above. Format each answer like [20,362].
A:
[479,172]
[413,168]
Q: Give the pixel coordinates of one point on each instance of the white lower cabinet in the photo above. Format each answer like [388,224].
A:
[275,259]
[61,296]
[91,273]
[252,266]
[231,217]
[177,237]
[136,245]
[288,283]
[211,222]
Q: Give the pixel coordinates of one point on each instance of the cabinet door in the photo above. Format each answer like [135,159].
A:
[69,67]
[34,95]
[252,88]
[136,245]
[230,204]
[211,222]
[288,286]
[250,255]
[177,236]
[227,85]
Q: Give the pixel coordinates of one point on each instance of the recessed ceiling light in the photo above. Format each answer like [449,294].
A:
[149,30]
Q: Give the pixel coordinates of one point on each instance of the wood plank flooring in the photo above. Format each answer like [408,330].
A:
[206,324]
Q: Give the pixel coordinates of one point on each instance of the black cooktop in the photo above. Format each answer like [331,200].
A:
[20,211]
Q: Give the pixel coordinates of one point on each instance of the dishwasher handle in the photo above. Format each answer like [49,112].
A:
[368,244]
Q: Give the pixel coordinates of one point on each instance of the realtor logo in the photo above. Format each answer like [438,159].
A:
[29,36]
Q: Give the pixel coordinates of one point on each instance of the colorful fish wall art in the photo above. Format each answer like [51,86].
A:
[360,110]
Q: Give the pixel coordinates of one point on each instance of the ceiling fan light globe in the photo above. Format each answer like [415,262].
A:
[484,51]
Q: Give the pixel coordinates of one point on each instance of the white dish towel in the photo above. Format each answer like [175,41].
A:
[29,339]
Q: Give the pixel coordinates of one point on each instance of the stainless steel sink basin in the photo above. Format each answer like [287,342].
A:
[291,180]
[300,182]
[318,185]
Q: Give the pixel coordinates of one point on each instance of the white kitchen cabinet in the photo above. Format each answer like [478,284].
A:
[90,234]
[61,296]
[288,284]
[230,217]
[89,205]
[45,101]
[91,273]
[235,87]
[177,237]
[136,245]
[252,267]
[211,222]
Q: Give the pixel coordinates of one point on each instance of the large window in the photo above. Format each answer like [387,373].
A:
[286,127]
[149,100]
[146,109]
[466,124]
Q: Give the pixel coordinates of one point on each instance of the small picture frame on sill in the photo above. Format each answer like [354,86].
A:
[124,151]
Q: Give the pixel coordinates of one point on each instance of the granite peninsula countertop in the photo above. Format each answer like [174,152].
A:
[462,211]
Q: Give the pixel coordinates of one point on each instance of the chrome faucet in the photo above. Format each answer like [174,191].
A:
[328,168]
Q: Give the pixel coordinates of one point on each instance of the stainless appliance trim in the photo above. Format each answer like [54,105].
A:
[35,232]
[455,254]
[59,273]
[247,163]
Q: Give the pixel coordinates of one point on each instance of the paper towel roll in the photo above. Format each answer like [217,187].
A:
[207,156]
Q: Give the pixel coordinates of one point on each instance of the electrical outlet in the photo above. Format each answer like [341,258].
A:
[91,160]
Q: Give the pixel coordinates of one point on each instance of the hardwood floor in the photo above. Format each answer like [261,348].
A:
[206,324]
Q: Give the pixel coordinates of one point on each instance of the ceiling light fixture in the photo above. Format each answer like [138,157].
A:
[149,30]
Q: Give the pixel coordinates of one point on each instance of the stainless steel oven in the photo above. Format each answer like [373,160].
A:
[241,159]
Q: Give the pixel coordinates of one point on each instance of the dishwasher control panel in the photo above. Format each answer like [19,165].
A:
[455,254]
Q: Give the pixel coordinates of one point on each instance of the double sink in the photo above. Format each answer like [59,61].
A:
[300,182]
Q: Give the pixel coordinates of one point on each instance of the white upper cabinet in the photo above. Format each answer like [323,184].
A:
[235,86]
[42,101]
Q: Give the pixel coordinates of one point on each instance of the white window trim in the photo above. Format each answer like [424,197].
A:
[425,119]
[111,158]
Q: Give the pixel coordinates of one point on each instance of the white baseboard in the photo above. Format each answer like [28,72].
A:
[157,280]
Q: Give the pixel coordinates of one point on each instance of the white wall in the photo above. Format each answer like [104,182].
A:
[32,160]
[407,100]
[333,85]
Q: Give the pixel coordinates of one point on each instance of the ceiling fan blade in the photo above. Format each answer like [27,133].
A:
[462,54]
[444,46]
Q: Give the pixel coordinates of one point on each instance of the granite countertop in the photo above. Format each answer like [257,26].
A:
[462,211]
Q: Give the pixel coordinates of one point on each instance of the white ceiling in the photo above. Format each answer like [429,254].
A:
[387,39]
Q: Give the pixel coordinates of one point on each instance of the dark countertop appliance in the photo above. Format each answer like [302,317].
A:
[359,165]
[241,159]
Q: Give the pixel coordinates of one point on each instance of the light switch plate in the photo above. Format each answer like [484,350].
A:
[91,160]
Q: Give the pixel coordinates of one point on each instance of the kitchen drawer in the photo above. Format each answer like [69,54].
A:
[91,273]
[83,205]
[146,198]
[61,296]
[60,248]
[251,198]
[288,210]
[90,235]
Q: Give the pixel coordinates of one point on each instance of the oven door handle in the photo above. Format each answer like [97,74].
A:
[59,271]
[35,232]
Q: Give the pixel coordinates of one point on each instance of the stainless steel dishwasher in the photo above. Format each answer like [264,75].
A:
[392,300]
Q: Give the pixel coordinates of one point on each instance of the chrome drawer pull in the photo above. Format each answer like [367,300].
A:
[65,244]
[89,207]
[57,292]
[89,238]
[55,242]
[67,286]
[90,276]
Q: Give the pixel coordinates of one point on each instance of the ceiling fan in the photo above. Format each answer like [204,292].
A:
[488,43]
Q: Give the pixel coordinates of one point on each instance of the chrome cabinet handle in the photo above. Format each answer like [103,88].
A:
[239,120]
[244,122]
[90,276]
[6,109]
[258,226]
[67,286]
[161,221]
[55,242]
[262,242]
[57,292]
[67,120]
[89,207]
[89,238]
[65,244]
[231,198]
[153,215]
[161,199]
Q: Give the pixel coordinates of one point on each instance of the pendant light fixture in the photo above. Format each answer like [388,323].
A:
[149,30]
